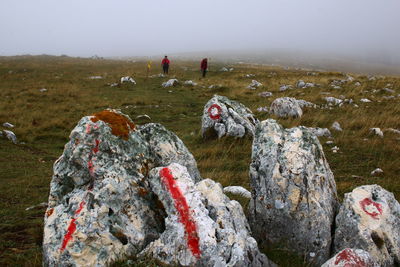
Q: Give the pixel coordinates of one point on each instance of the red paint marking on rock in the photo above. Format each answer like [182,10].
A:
[214,111]
[350,259]
[184,211]
[71,228]
[367,202]
[88,128]
[96,148]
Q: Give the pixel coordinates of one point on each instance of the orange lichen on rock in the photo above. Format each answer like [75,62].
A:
[119,124]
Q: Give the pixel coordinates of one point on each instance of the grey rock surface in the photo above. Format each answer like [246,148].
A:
[101,208]
[10,136]
[222,116]
[369,219]
[349,257]
[336,126]
[203,226]
[127,79]
[170,83]
[286,107]
[320,131]
[294,195]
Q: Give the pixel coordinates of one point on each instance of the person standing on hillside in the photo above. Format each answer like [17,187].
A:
[203,67]
[165,64]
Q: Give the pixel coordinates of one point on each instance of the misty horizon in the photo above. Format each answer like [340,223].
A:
[360,29]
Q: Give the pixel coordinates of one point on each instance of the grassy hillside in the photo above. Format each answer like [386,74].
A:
[43,121]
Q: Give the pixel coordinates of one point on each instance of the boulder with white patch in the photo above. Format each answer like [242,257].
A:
[203,227]
[349,257]
[101,208]
[369,219]
[222,116]
[294,197]
[286,107]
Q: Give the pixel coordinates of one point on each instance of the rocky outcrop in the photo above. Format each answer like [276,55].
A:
[203,227]
[101,208]
[121,190]
[349,257]
[369,219]
[286,107]
[294,195]
[222,116]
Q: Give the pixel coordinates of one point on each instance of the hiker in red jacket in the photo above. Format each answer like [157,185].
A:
[203,67]
[165,64]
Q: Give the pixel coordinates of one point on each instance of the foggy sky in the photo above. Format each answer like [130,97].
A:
[148,27]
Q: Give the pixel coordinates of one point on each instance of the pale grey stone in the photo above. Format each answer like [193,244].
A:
[8,125]
[237,119]
[170,83]
[320,131]
[336,126]
[294,195]
[377,171]
[376,131]
[238,190]
[10,136]
[369,219]
[265,94]
[286,107]
[127,79]
[219,232]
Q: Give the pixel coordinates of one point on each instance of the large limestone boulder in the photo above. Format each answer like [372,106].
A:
[349,257]
[222,116]
[101,208]
[203,226]
[286,107]
[294,195]
[369,219]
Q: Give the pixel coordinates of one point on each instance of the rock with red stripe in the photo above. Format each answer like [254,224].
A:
[101,208]
[369,219]
[222,116]
[294,197]
[203,226]
[349,257]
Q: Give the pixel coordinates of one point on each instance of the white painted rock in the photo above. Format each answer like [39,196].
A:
[203,227]
[349,257]
[336,126]
[127,79]
[286,107]
[10,136]
[294,195]
[222,116]
[101,207]
[369,219]
[376,131]
[170,83]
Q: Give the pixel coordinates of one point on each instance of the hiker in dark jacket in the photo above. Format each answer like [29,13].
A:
[165,64]
[203,67]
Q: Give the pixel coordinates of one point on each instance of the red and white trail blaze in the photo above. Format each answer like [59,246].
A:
[72,225]
[184,211]
[214,111]
[371,208]
[349,259]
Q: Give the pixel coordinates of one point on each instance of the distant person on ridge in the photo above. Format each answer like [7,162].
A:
[165,64]
[203,67]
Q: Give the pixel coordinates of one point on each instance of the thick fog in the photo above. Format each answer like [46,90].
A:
[361,28]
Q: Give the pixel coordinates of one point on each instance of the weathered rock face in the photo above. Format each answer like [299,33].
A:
[369,219]
[222,116]
[294,195]
[286,107]
[101,207]
[203,227]
[351,257]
